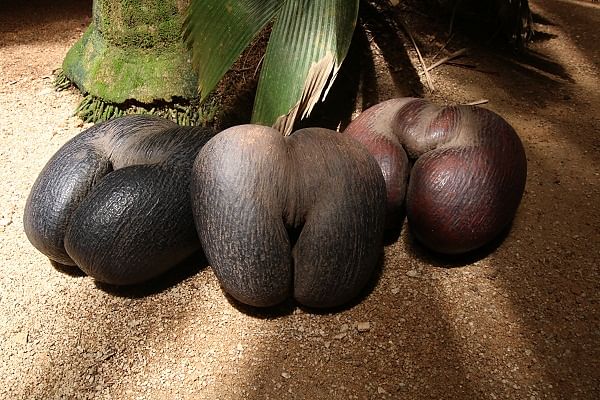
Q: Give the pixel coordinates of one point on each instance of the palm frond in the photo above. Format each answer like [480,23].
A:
[217,31]
[308,43]
[307,46]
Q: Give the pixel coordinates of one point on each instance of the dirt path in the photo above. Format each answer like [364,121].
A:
[522,322]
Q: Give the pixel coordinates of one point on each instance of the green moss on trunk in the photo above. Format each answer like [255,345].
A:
[133,51]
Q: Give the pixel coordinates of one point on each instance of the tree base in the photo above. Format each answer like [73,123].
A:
[183,112]
[118,74]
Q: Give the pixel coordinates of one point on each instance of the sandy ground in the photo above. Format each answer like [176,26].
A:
[521,322]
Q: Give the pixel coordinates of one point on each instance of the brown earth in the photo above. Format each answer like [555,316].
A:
[518,322]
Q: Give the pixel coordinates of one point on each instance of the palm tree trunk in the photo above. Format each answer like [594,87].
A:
[133,50]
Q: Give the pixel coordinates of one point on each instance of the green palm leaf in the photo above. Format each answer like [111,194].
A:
[217,31]
[308,43]
[307,46]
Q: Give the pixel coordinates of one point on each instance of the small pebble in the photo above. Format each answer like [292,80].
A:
[134,323]
[5,221]
[22,337]
[363,326]
[286,375]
